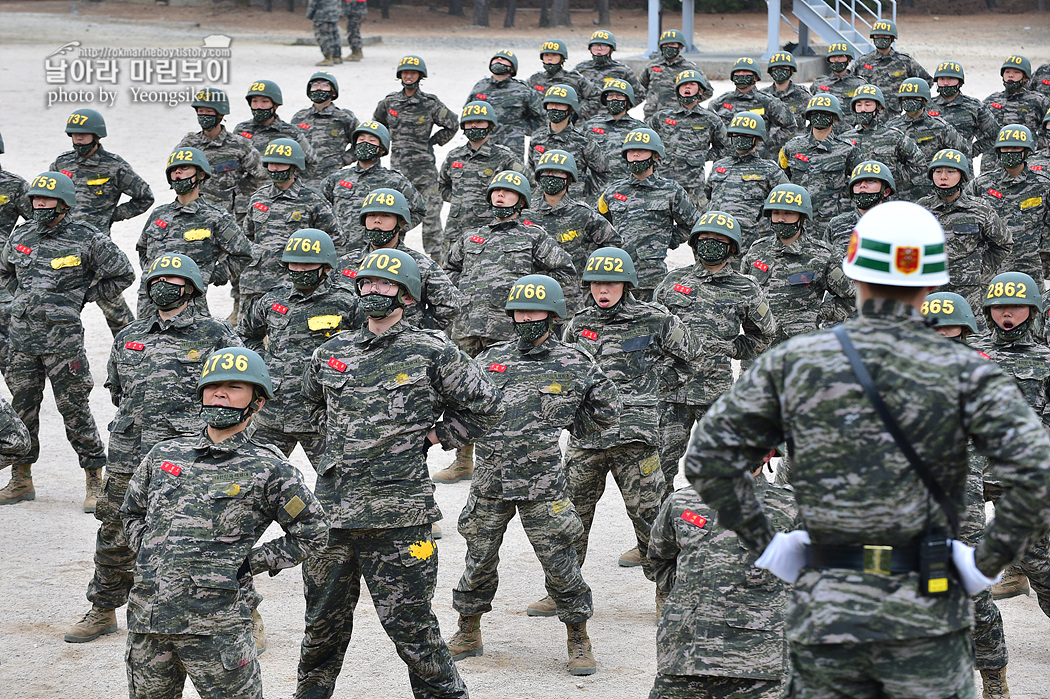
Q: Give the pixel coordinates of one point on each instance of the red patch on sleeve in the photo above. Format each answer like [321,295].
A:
[160,223]
[344,183]
[137,346]
[393,112]
[694,519]
[541,88]
[597,130]
[336,364]
[721,170]
[67,173]
[283,310]
[589,334]
[869,66]
[260,206]
[726,105]
[1037,168]
[481,96]
[304,125]
[498,367]
[825,88]
[759,264]
[23,249]
[994,193]
[170,468]
[539,149]
[1045,81]
[933,113]
[349,273]
[983,354]
[477,239]
[528,222]
[621,197]
[681,289]
[672,122]
[803,158]
[997,105]
[657,69]
[246,134]
[457,165]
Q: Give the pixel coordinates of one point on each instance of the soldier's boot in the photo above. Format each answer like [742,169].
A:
[466,642]
[462,469]
[93,488]
[356,55]
[328,61]
[336,60]
[994,682]
[235,314]
[97,622]
[435,530]
[631,559]
[20,487]
[581,659]
[1014,583]
[661,600]
[543,607]
[258,632]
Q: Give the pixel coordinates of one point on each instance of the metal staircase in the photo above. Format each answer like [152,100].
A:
[832,21]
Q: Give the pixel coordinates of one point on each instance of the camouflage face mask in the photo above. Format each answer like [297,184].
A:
[261,116]
[686,101]
[946,192]
[378,237]
[45,215]
[531,330]
[712,251]
[223,417]
[82,149]
[780,74]
[882,42]
[1013,85]
[366,152]
[1011,159]
[280,175]
[1015,333]
[552,184]
[556,116]
[304,279]
[745,80]
[552,69]
[475,134]
[669,52]
[784,230]
[503,212]
[639,166]
[601,61]
[865,118]
[319,96]
[866,200]
[743,144]
[208,121]
[837,66]
[166,295]
[912,104]
[499,68]
[616,106]
[184,186]
[948,90]
[821,120]
[378,306]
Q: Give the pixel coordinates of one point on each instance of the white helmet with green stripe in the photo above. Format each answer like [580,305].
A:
[898,244]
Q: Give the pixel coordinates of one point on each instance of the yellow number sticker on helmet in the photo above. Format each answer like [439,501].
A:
[257,87]
[838,47]
[507,176]
[475,110]
[383,261]
[949,66]
[76,118]
[408,61]
[45,183]
[636,137]
[1013,134]
[744,120]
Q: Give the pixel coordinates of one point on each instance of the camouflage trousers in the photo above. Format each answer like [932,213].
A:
[114,561]
[989,639]
[636,469]
[400,568]
[327,34]
[930,668]
[5,339]
[552,528]
[118,313]
[71,383]
[219,666]
[676,424]
[420,170]
[353,29]
[312,442]
[1035,563]
[711,687]
[512,136]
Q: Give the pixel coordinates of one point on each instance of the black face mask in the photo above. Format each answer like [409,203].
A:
[553,184]
[532,330]
[184,186]
[745,80]
[1012,159]
[822,120]
[410,86]
[838,66]
[45,215]
[946,192]
[280,175]
[499,68]
[378,237]
[552,69]
[476,134]
[784,230]
[616,106]
[866,200]
[743,144]
[865,118]
[556,116]
[669,52]
[780,74]
[208,121]
[165,295]
[379,306]
[912,104]
[712,251]
[261,116]
[503,212]
[601,61]
[687,101]
[307,278]
[1013,86]
[1015,333]
[882,42]
[366,152]
[948,90]
[640,166]
[82,149]
[319,96]
[223,417]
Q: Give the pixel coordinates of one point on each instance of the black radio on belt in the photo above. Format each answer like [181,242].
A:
[935,557]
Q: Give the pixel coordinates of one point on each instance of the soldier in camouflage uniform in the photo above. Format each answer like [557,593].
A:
[971,118]
[658,77]
[841,83]
[886,67]
[651,213]
[379,391]
[715,302]
[101,178]
[354,11]
[577,227]
[942,394]
[518,106]
[13,203]
[325,14]
[1039,162]
[274,212]
[560,104]
[721,630]
[263,98]
[886,144]
[53,266]
[348,187]
[152,377]
[236,166]
[740,181]
[386,217]
[977,240]
[328,128]
[468,169]
[931,133]
[1041,79]
[553,55]
[1017,104]
[611,126]
[411,116]
[820,161]
[286,326]
[1020,197]
[548,386]
[781,67]
[192,226]
[693,135]
[870,184]
[195,509]
[777,119]
[602,67]
[481,262]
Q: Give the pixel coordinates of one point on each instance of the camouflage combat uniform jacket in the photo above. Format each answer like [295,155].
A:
[692,137]
[13,202]
[347,188]
[260,137]
[843,87]
[795,98]
[463,180]
[739,185]
[411,121]
[613,69]
[780,122]
[609,132]
[193,513]
[589,94]
[1026,107]
[931,134]
[329,131]
[972,119]
[520,110]
[1027,360]
[830,423]
[484,263]
[838,231]
[897,150]
[658,79]
[1023,206]
[591,161]
[293,324]
[101,179]
[1040,79]
[724,617]
[888,72]
[14,437]
[378,396]
[236,170]
[546,389]
[823,168]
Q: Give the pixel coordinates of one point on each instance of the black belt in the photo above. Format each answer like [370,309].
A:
[883,560]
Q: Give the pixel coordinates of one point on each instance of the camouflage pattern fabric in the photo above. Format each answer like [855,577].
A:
[1022,205]
[652,216]
[838,231]
[325,14]
[709,687]
[1040,79]
[354,11]
[931,134]
[411,119]
[795,98]
[978,243]
[329,131]
[518,107]
[823,168]
[236,170]
[658,81]
[347,188]
[220,665]
[13,203]
[842,87]
[780,122]
[589,93]
[888,72]
[609,132]
[274,214]
[972,119]
[803,283]
[591,161]
[100,180]
[692,137]
[614,69]
[723,617]
[1024,107]
[897,150]
[485,262]
[14,437]
[463,181]
[260,137]
[739,185]
[203,232]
